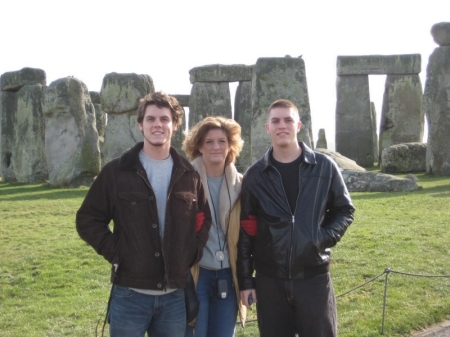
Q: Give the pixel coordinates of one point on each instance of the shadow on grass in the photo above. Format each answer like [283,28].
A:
[21,191]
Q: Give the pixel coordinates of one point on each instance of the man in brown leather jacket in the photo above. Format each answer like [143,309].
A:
[295,207]
[161,220]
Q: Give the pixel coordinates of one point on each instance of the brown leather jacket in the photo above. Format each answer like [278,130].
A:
[123,194]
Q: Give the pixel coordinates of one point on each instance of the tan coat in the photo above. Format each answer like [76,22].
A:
[230,218]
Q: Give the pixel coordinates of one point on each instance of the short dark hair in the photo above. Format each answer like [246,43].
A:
[161,100]
[282,103]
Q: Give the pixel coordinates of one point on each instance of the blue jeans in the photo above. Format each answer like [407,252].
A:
[131,314]
[216,317]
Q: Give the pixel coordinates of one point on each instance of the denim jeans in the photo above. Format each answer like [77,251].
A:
[216,317]
[131,314]
[287,307]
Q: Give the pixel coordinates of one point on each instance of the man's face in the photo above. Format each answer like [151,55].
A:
[282,125]
[157,126]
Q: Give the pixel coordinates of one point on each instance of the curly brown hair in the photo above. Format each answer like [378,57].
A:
[161,100]
[196,136]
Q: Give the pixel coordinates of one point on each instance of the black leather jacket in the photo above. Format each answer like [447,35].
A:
[291,245]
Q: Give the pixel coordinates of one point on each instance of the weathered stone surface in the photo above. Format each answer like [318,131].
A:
[121,133]
[178,136]
[341,161]
[436,104]
[357,181]
[14,80]
[441,33]
[121,92]
[373,116]
[209,99]
[8,110]
[71,138]
[402,117]
[29,161]
[322,140]
[273,79]
[100,115]
[221,73]
[404,158]
[182,99]
[95,97]
[354,134]
[378,64]
[243,116]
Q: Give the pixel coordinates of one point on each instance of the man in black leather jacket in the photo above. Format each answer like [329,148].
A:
[295,207]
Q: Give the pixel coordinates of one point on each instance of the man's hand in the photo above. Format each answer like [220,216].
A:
[248,297]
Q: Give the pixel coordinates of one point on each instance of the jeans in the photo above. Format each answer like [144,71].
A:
[216,317]
[286,307]
[131,314]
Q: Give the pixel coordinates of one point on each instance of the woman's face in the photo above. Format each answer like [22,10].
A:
[215,147]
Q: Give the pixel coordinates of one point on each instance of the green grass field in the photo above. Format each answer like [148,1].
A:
[54,284]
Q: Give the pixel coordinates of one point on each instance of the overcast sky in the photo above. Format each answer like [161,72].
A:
[167,38]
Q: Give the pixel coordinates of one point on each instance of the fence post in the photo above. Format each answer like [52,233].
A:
[387,271]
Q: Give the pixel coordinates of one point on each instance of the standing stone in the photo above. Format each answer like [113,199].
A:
[436,105]
[8,110]
[273,79]
[178,137]
[322,141]
[100,115]
[71,138]
[14,80]
[1,113]
[120,95]
[353,119]
[402,119]
[243,116]
[441,33]
[209,99]
[29,160]
[373,116]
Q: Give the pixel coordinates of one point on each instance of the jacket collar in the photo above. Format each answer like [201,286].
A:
[307,155]
[129,160]
[229,192]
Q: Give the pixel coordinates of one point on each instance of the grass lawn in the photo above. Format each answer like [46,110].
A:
[53,284]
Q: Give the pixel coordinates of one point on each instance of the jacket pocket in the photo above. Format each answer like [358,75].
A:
[132,205]
[187,198]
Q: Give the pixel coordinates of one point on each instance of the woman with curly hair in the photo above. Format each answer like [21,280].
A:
[213,145]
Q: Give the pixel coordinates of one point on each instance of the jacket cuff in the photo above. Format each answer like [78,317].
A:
[246,283]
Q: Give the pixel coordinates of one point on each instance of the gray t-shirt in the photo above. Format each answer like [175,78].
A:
[216,239]
[159,173]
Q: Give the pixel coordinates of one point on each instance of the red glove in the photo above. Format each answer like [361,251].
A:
[249,225]
[200,220]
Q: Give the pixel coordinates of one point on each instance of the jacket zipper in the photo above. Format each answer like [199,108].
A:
[292,217]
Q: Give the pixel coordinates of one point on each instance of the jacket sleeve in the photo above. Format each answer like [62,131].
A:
[94,216]
[246,243]
[204,213]
[339,211]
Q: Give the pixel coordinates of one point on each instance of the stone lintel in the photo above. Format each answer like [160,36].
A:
[379,64]
[221,73]
[182,99]
[14,80]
